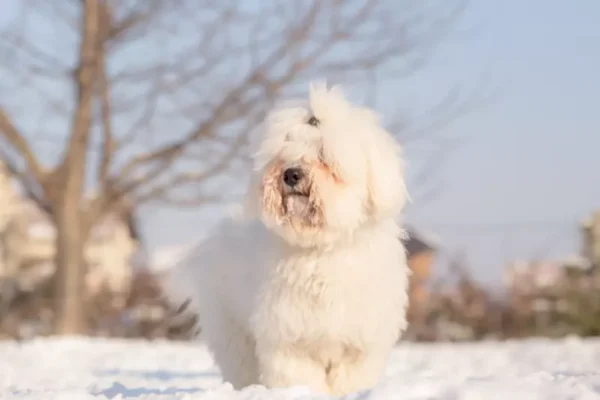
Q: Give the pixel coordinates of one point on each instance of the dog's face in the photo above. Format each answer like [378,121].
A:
[324,170]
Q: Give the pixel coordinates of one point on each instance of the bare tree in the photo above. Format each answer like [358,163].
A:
[106,105]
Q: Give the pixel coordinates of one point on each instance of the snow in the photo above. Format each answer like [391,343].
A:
[85,369]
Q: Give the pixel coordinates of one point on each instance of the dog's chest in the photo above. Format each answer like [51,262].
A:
[321,284]
[318,299]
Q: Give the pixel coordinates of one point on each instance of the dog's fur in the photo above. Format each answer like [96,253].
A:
[309,286]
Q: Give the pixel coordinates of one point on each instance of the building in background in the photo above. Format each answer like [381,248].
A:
[27,243]
[421,252]
[548,286]
[591,239]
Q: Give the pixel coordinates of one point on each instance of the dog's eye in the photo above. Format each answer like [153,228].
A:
[313,121]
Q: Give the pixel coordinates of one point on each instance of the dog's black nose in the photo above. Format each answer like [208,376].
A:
[292,176]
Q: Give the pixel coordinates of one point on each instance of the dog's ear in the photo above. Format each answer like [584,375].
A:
[249,208]
[386,185]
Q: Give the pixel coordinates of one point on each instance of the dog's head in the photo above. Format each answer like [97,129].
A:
[325,169]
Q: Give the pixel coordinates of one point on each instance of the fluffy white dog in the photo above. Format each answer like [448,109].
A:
[309,286]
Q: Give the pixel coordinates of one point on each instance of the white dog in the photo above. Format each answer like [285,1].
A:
[313,291]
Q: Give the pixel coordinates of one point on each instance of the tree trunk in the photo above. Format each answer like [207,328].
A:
[69,309]
[69,296]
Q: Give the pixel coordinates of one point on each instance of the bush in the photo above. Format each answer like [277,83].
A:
[142,313]
[469,312]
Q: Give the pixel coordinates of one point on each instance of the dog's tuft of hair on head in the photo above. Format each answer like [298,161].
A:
[324,169]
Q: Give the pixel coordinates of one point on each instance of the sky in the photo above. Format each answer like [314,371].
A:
[528,172]
[525,172]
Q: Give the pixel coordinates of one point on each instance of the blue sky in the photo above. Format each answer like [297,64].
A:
[526,171]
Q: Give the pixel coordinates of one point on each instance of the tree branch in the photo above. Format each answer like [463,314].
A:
[31,187]
[167,154]
[108,141]
[19,143]
[217,70]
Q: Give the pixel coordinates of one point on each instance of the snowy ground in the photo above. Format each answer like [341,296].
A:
[83,369]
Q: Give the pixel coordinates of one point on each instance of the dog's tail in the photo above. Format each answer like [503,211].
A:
[179,293]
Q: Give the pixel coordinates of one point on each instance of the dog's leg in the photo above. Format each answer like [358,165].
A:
[233,350]
[285,367]
[354,374]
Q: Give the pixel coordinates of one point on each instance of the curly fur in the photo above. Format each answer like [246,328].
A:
[308,286]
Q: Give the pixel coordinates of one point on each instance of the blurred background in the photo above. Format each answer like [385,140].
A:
[126,129]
